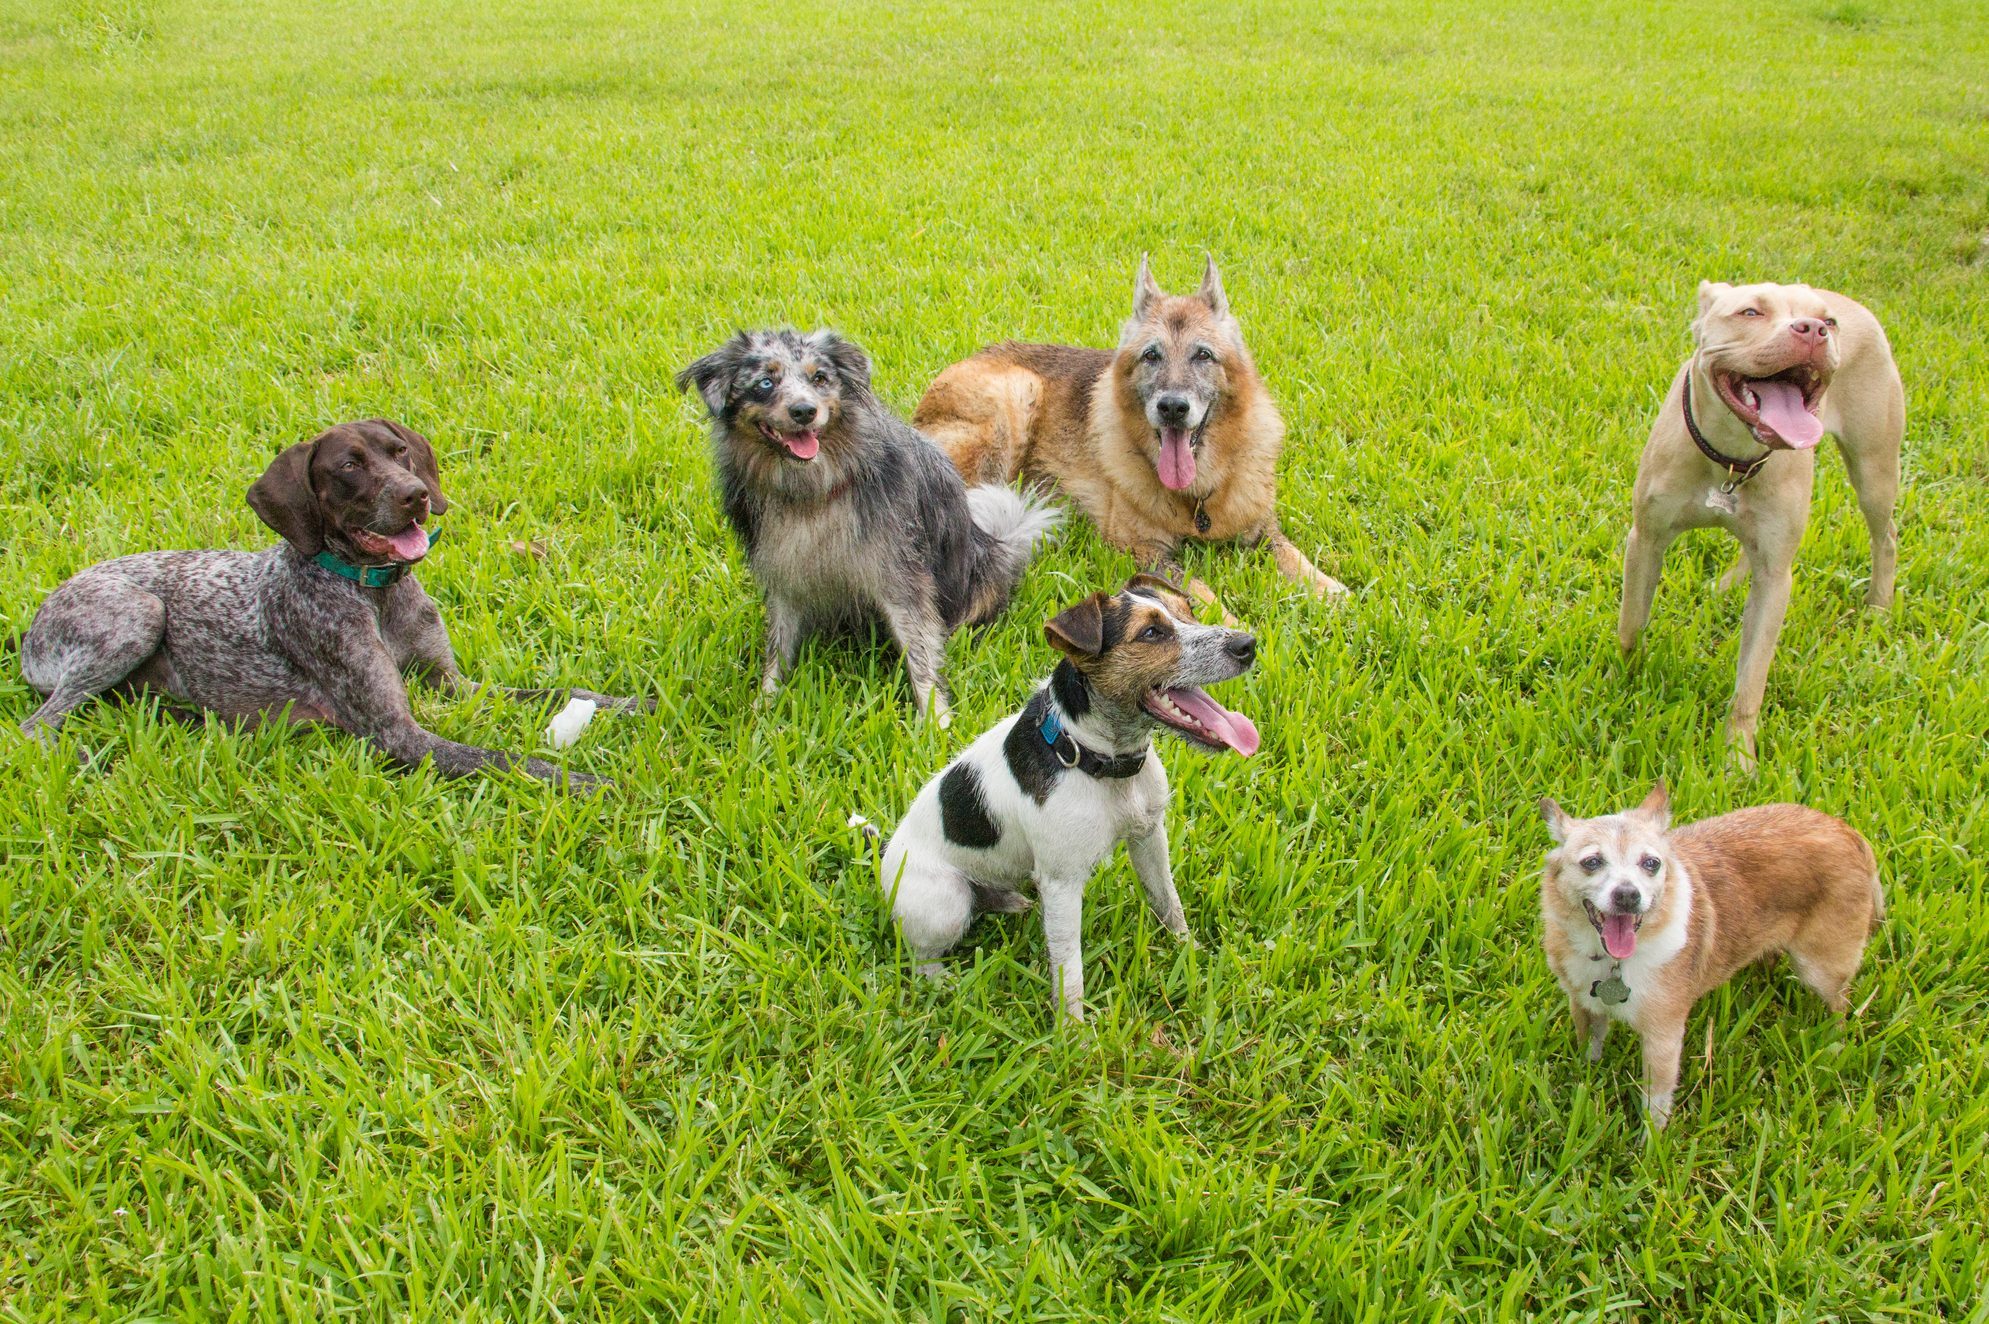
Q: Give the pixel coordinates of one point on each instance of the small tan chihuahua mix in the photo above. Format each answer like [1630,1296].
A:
[1641,921]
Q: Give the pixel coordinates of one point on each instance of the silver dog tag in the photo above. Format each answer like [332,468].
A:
[1610,992]
[1722,501]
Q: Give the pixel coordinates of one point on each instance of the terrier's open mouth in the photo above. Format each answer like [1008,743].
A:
[1618,932]
[1780,410]
[407,546]
[801,445]
[1190,711]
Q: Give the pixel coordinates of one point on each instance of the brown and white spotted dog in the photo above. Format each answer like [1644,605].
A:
[1643,920]
[319,628]
[1048,793]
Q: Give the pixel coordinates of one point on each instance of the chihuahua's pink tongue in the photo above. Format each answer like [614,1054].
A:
[802,445]
[1619,935]
[410,544]
[1233,729]
[1781,408]
[1177,459]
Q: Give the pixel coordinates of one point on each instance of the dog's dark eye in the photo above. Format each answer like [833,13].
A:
[1750,312]
[1830,322]
[1590,863]
[349,464]
[1651,864]
[820,378]
[1153,634]
[399,452]
[1150,354]
[1203,354]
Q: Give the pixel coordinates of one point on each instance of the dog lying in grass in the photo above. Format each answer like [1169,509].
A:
[1048,793]
[1171,436]
[1641,921]
[317,629]
[1776,367]
[845,513]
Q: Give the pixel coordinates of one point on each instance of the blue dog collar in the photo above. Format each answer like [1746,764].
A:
[370,576]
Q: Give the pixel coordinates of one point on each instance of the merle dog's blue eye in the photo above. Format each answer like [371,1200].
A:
[764,384]
[1590,863]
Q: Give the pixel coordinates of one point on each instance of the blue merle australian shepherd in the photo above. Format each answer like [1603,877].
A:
[846,513]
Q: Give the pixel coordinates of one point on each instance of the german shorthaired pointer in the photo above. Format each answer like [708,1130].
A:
[319,628]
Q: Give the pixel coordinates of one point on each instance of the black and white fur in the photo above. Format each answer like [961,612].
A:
[1009,811]
[846,513]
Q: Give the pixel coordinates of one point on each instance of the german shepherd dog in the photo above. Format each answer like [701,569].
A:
[1171,436]
[846,514]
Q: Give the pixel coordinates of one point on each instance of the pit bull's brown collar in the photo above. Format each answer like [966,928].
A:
[1740,470]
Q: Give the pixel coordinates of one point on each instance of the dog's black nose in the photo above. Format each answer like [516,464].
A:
[1173,409]
[803,413]
[1242,647]
[1625,899]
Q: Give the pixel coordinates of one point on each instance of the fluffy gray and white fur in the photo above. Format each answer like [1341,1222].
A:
[846,513]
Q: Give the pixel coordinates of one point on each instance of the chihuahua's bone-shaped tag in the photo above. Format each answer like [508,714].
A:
[1610,992]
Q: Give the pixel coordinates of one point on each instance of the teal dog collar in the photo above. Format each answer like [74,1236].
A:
[371,576]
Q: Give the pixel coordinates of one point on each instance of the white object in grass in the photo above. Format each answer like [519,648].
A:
[569,722]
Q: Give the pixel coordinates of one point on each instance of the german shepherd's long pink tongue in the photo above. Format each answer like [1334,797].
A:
[1619,935]
[1177,459]
[410,544]
[1232,729]
[1781,408]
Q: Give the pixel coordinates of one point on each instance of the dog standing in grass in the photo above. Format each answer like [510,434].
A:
[1047,794]
[846,514]
[1640,922]
[1169,437]
[1776,367]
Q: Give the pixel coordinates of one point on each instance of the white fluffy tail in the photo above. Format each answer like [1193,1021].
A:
[1009,525]
[1010,517]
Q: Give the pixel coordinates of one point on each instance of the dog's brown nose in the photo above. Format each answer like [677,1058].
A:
[414,500]
[1810,330]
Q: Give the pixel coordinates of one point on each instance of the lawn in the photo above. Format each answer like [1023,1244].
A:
[285,1034]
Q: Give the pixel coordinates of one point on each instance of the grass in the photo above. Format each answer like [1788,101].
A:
[285,1034]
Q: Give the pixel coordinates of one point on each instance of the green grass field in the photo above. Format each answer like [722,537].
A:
[285,1034]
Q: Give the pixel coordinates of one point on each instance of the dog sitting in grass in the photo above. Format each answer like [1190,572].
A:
[846,514]
[1642,921]
[1048,793]
[1171,436]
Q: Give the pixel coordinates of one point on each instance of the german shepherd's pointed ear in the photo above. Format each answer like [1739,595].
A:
[283,499]
[1657,807]
[1210,292]
[1146,291]
[424,463]
[712,374]
[851,363]
[1556,818]
[1079,631]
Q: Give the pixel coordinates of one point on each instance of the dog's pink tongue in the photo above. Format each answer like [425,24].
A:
[1177,459]
[1619,935]
[1233,729]
[410,544]
[1781,408]
[802,445]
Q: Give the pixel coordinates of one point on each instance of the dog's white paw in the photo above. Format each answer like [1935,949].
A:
[1328,587]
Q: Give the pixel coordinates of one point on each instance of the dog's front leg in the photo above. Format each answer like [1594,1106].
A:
[1664,1041]
[783,643]
[1149,856]
[1591,1029]
[1293,565]
[1643,563]
[1760,628]
[1062,904]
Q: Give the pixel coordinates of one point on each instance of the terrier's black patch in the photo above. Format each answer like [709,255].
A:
[1072,691]
[1030,761]
[963,810]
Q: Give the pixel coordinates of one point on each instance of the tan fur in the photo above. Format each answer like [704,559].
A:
[1064,415]
[1762,881]
[1745,329]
